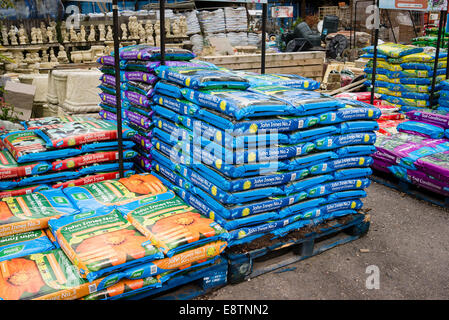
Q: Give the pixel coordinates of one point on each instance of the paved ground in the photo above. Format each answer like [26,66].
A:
[408,241]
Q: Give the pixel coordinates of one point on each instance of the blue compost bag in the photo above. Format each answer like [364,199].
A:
[23,244]
[337,141]
[304,102]
[237,103]
[423,128]
[196,78]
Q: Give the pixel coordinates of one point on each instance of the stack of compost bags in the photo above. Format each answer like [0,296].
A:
[106,240]
[138,81]
[419,152]
[430,38]
[60,152]
[404,75]
[267,159]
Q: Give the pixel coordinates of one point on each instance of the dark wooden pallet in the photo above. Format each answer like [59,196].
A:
[243,266]
[192,285]
[420,193]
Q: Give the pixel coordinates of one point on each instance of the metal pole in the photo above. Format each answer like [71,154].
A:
[413,23]
[162,28]
[376,40]
[391,26]
[437,53]
[117,86]
[264,35]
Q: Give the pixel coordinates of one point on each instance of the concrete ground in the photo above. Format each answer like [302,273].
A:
[408,241]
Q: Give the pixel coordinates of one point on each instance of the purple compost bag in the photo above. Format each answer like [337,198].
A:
[143,162]
[435,118]
[146,52]
[143,142]
[150,66]
[132,97]
[108,79]
[132,117]
[436,165]
[381,165]
[421,179]
[395,149]
[106,60]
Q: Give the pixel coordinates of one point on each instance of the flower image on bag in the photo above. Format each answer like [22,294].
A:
[173,225]
[32,211]
[115,192]
[42,276]
[38,123]
[101,242]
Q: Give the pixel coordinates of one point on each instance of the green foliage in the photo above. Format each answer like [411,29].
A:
[8,113]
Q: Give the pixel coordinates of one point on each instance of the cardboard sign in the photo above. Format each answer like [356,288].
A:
[282,12]
[414,5]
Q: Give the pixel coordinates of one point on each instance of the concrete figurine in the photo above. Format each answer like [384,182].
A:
[101,30]
[13,36]
[124,31]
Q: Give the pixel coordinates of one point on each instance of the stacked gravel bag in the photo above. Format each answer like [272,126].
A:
[212,21]
[236,19]
[59,152]
[138,82]
[262,160]
[404,75]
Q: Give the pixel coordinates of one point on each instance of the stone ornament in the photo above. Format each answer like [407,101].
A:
[33,35]
[13,36]
[5,36]
[45,56]
[92,36]
[109,36]
[39,36]
[183,26]
[50,35]
[23,37]
[62,55]
[64,33]
[101,30]
[73,35]
[157,31]
[176,30]
[82,35]
[43,29]
[124,31]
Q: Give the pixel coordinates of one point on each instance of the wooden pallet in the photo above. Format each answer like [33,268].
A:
[307,64]
[192,285]
[420,193]
[243,266]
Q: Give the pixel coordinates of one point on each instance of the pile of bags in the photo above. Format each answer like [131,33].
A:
[230,23]
[260,159]
[391,115]
[138,82]
[419,152]
[443,101]
[107,240]
[404,75]
[430,39]
[60,152]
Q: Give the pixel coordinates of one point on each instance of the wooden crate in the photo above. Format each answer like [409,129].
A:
[328,11]
[307,64]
